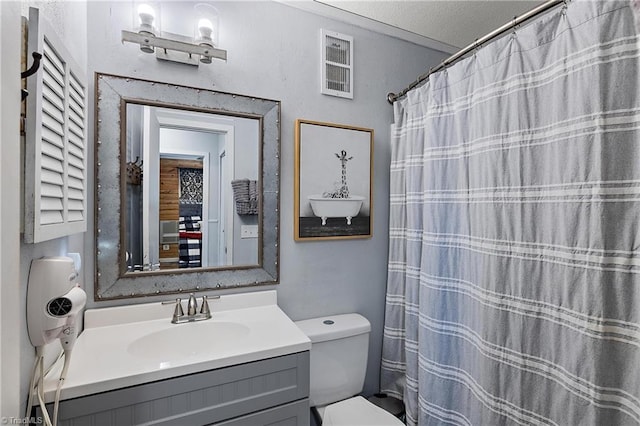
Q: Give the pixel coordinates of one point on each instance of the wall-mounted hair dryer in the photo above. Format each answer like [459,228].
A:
[54,298]
[53,301]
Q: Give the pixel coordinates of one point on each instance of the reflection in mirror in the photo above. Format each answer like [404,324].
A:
[187,189]
[180,212]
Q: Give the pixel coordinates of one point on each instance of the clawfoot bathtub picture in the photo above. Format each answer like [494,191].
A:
[333,174]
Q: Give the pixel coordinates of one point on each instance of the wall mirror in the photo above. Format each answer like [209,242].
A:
[187,188]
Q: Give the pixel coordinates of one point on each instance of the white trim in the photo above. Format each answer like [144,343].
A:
[222,203]
[151,161]
[368,24]
[206,171]
[12,320]
[229,214]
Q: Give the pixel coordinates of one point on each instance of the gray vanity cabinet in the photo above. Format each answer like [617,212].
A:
[272,391]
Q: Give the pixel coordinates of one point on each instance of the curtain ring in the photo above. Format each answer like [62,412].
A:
[514,26]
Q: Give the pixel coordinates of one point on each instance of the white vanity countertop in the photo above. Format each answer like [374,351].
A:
[106,355]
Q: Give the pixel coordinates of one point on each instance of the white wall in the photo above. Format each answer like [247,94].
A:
[10,312]
[69,21]
[273,52]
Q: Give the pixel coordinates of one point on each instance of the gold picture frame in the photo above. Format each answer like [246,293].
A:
[333,191]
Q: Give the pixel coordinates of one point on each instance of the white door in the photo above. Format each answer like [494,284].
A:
[222,241]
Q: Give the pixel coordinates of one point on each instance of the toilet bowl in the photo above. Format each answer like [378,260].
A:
[357,411]
[339,351]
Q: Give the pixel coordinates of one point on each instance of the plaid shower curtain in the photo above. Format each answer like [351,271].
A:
[514,263]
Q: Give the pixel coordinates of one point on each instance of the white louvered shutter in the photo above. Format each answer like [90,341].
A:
[55,144]
[336,64]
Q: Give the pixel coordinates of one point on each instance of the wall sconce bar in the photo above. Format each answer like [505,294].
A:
[173,49]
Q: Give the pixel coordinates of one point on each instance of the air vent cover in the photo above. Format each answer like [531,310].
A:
[337,64]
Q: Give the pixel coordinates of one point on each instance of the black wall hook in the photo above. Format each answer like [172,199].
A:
[32,70]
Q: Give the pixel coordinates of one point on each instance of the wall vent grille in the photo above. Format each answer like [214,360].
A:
[337,64]
[169,233]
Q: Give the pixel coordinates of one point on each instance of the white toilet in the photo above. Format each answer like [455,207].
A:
[339,350]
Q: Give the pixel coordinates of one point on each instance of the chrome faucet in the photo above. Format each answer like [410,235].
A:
[192,310]
[192,306]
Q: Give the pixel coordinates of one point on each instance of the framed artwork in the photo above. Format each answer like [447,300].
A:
[332,186]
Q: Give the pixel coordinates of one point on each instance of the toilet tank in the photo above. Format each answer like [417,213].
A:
[339,350]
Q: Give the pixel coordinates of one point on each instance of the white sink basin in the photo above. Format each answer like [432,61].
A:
[129,345]
[187,340]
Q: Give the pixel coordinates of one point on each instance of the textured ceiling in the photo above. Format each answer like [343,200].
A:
[455,23]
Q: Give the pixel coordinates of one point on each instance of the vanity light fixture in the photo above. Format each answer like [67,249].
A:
[175,47]
[147,16]
[205,29]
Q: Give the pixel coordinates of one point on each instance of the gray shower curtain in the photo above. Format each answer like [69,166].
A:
[514,264]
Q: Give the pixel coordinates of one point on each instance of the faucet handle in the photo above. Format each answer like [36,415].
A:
[178,312]
[192,306]
[204,308]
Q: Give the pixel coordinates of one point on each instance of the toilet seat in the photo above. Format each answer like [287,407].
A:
[357,411]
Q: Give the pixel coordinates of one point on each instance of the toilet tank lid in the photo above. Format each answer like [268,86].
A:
[334,327]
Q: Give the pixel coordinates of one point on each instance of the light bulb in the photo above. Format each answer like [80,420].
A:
[205,27]
[147,15]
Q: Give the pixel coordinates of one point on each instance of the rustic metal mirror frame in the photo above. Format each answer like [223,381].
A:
[112,95]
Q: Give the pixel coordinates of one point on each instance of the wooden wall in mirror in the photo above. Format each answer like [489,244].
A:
[187,188]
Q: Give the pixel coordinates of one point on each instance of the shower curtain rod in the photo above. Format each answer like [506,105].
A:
[392,97]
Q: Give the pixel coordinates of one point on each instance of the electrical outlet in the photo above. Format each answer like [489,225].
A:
[165,247]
